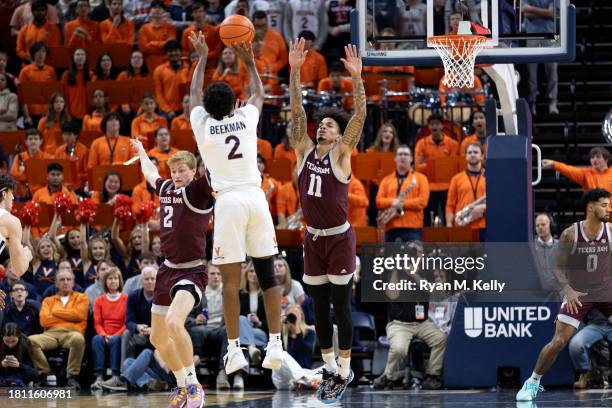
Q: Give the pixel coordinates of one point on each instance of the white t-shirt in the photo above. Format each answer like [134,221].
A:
[296,291]
[228,146]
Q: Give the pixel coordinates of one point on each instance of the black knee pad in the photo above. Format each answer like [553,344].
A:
[264,268]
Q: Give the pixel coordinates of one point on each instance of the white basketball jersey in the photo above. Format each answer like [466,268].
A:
[275,9]
[228,146]
[305,15]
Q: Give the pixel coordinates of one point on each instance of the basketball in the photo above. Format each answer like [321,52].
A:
[236,29]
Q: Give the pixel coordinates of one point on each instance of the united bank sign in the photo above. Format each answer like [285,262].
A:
[503,321]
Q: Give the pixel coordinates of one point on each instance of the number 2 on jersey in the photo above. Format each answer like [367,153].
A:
[314,188]
[232,154]
[169,210]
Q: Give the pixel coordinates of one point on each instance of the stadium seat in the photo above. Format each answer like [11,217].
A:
[38,93]
[365,338]
[59,57]
[117,92]
[119,53]
[279,169]
[183,140]
[88,136]
[12,142]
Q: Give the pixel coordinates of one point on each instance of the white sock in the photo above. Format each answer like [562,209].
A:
[233,344]
[275,338]
[330,362]
[536,377]
[192,378]
[181,377]
[345,367]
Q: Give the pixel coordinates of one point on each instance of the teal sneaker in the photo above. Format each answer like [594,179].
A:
[529,391]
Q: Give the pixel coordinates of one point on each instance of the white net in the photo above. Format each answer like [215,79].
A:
[458,53]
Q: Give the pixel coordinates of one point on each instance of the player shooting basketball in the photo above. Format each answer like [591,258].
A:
[324,169]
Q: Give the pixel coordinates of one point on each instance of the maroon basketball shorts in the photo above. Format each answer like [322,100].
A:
[329,255]
[574,319]
[171,276]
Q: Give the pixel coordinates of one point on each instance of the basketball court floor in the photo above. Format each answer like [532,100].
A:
[355,398]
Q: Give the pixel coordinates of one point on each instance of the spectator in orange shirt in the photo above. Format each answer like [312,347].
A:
[75,151]
[358,203]
[148,121]
[287,200]
[230,71]
[55,186]
[268,184]
[284,149]
[99,108]
[33,142]
[315,67]
[264,66]
[182,122]
[467,187]
[274,49]
[23,15]
[104,70]
[137,69]
[110,148]
[407,225]
[168,79]
[478,121]
[111,187]
[51,125]
[599,175]
[336,84]
[37,71]
[162,151]
[39,30]
[74,80]
[386,139]
[264,148]
[143,191]
[429,148]
[117,29]
[211,33]
[153,36]
[83,31]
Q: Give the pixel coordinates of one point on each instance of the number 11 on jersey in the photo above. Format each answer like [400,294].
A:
[314,188]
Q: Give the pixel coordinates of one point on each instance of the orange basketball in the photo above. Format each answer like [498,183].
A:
[236,29]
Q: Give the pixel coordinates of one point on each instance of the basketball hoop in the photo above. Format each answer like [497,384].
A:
[458,53]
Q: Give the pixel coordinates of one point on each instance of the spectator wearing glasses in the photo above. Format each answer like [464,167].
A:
[20,312]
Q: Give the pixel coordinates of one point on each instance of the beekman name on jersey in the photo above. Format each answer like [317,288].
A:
[227,128]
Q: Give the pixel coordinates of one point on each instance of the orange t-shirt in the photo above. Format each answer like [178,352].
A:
[140,194]
[238,81]
[358,203]
[123,34]
[31,73]
[287,199]
[265,66]
[43,195]
[30,34]
[275,50]
[211,33]
[103,151]
[141,126]
[473,139]
[281,153]
[162,157]
[426,149]
[72,40]
[270,187]
[314,68]
[168,86]
[76,94]
[52,136]
[414,203]
[54,314]
[91,122]
[346,86]
[587,177]
[180,123]
[264,148]
[151,41]
[461,194]
[80,156]
[21,176]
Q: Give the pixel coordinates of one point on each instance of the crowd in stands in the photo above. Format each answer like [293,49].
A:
[89,291]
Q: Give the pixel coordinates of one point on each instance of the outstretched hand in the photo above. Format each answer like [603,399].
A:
[137,145]
[297,55]
[244,51]
[198,40]
[352,62]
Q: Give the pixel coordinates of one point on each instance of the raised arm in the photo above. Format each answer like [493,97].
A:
[83,248]
[146,165]
[244,51]
[56,225]
[298,138]
[116,239]
[353,130]
[196,93]
[20,256]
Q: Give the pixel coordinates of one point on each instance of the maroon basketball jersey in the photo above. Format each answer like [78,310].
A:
[323,196]
[590,263]
[184,217]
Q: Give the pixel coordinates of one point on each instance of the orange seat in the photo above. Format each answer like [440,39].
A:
[289,238]
[88,136]
[119,53]
[130,176]
[36,170]
[428,77]
[118,92]
[13,142]
[365,235]
[463,234]
[59,57]
[365,166]
[434,234]
[139,87]
[279,169]
[183,140]
[38,93]
[442,169]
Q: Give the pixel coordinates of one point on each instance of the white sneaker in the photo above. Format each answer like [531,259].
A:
[238,382]
[274,356]
[222,382]
[552,108]
[234,360]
